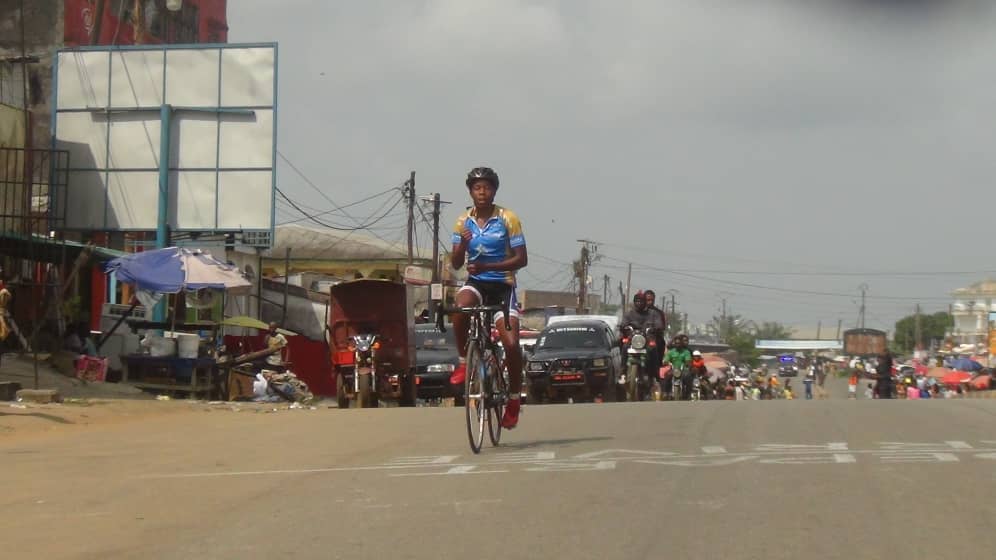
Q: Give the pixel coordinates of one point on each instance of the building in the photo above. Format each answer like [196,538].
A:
[50,25]
[31,32]
[536,299]
[970,311]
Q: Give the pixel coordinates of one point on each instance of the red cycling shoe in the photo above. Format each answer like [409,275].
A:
[511,417]
[459,375]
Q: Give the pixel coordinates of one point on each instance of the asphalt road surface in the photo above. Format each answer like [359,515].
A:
[783,479]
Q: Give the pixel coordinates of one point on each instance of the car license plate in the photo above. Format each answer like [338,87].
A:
[568,377]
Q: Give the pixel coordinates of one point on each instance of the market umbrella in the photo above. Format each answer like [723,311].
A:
[175,269]
[938,372]
[981,382]
[956,377]
[965,364]
[253,323]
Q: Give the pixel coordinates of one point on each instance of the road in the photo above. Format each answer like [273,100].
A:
[782,479]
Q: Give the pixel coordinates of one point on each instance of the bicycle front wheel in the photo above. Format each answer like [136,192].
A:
[497,390]
[474,397]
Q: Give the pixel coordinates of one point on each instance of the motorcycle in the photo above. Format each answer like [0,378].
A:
[678,383]
[636,381]
[365,348]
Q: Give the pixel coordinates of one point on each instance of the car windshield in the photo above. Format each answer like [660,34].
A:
[570,337]
[433,340]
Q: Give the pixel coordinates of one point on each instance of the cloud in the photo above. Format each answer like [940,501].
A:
[825,131]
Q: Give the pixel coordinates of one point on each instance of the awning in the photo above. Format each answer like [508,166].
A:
[44,249]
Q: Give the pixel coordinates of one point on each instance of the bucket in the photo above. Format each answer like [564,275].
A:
[160,346]
[187,344]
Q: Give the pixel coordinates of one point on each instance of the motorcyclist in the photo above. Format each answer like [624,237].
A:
[698,369]
[640,318]
[679,357]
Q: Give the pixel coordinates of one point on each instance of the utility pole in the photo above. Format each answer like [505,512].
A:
[819,328]
[410,193]
[629,284]
[283,316]
[605,288]
[622,299]
[436,265]
[861,313]
[916,329]
[840,323]
[722,322]
[588,250]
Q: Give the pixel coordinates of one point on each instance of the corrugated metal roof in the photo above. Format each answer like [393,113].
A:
[312,243]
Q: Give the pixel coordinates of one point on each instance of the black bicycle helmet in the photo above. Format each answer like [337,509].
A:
[485,173]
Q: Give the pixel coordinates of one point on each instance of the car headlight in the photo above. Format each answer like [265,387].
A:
[638,342]
[599,363]
[536,366]
[440,368]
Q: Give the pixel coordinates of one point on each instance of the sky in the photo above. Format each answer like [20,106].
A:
[778,155]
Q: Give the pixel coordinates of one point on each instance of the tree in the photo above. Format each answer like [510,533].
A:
[932,327]
[772,330]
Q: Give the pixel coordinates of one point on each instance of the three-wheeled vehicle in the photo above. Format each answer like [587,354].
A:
[371,335]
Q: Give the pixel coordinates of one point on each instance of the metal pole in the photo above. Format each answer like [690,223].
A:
[411,218]
[629,283]
[283,316]
[435,237]
[162,231]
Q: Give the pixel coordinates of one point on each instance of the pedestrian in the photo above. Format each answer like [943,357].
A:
[884,373]
[738,392]
[808,383]
[869,392]
[277,342]
[852,386]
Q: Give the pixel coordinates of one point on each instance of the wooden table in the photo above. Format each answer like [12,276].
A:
[164,373]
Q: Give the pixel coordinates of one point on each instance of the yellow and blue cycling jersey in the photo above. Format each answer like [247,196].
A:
[493,243]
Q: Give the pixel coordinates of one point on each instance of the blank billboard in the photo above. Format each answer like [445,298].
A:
[222,135]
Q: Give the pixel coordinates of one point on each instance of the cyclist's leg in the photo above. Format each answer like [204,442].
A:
[467,296]
[513,355]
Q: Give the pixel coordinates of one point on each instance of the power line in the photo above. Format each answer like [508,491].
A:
[771,288]
[331,226]
[788,273]
[350,205]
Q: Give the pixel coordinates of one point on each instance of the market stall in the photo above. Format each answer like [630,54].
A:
[176,355]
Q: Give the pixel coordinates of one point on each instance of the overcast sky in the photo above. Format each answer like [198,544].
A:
[692,135]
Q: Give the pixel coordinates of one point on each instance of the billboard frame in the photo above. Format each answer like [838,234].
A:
[264,236]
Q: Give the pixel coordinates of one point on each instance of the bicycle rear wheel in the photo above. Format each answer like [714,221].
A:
[497,386]
[474,397]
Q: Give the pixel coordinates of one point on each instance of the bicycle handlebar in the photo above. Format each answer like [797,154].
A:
[441,311]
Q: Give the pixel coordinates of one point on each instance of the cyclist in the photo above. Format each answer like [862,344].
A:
[489,239]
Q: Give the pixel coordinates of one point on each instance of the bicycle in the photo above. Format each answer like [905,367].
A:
[486,385]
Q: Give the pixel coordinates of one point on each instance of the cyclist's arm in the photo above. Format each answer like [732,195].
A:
[461,239]
[519,259]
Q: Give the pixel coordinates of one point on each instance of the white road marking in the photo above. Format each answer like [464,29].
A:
[781,447]
[606,459]
[426,460]
[919,458]
[575,467]
[704,462]
[458,470]
[836,458]
[623,454]
[527,457]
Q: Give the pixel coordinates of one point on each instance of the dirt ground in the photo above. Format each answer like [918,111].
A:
[88,406]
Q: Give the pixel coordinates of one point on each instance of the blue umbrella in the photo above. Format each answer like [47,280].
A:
[174,269]
[964,364]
